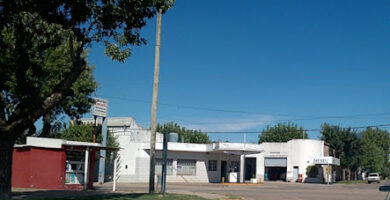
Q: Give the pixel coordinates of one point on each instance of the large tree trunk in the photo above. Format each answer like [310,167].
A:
[46,125]
[349,174]
[6,151]
[343,174]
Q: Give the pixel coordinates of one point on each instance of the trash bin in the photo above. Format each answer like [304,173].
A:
[300,179]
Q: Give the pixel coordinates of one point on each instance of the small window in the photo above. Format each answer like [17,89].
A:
[213,165]
[186,167]
[158,167]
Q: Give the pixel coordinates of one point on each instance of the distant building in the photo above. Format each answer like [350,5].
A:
[217,162]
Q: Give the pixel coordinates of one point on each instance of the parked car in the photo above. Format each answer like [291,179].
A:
[385,188]
[373,177]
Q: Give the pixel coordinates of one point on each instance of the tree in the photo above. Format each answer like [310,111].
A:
[282,132]
[346,143]
[375,150]
[73,106]
[30,30]
[186,135]
[372,158]
[84,133]
[312,171]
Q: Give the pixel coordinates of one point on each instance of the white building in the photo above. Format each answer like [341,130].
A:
[217,162]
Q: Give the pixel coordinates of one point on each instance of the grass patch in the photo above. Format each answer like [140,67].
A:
[352,182]
[134,197]
[231,197]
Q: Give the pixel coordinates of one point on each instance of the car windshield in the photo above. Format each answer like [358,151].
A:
[373,175]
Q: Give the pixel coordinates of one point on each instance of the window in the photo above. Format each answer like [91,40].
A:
[234,166]
[74,169]
[212,165]
[158,168]
[186,167]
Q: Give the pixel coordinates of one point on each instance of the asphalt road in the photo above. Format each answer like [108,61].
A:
[274,190]
[268,191]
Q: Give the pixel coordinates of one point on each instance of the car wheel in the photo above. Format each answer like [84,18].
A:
[368,182]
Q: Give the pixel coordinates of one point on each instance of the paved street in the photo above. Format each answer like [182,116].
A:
[268,191]
[273,190]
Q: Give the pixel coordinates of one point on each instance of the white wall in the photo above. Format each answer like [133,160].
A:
[299,152]
[138,165]
[133,138]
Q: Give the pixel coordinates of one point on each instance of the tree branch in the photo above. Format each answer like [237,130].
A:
[26,111]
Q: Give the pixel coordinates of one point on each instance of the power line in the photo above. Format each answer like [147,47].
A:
[257,132]
[306,130]
[301,117]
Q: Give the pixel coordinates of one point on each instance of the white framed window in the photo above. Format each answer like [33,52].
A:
[186,167]
[158,167]
[213,164]
[74,169]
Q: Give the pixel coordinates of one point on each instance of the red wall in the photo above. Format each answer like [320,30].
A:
[44,168]
[38,168]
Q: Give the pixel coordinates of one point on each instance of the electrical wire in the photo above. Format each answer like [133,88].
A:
[300,117]
[257,132]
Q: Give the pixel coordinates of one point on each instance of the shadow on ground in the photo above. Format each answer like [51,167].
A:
[93,195]
[65,194]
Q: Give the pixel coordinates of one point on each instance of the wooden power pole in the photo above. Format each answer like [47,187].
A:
[154,103]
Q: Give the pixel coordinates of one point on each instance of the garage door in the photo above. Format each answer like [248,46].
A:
[275,162]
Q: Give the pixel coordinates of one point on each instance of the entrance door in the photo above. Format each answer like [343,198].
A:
[250,168]
[275,168]
[295,174]
[223,171]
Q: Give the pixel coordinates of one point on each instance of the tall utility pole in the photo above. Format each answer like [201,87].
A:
[154,103]
[164,163]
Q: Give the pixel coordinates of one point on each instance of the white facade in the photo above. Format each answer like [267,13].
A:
[134,161]
[299,153]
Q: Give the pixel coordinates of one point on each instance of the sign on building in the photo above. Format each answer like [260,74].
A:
[327,160]
[100,107]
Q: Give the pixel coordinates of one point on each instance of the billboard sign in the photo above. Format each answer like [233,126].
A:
[100,107]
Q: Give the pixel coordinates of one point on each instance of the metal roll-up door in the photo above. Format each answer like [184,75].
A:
[275,162]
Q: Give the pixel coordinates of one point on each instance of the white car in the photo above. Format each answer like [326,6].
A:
[373,177]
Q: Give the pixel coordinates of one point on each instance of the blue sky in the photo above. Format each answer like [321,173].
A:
[242,65]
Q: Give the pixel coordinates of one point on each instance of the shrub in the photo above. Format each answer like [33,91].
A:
[312,171]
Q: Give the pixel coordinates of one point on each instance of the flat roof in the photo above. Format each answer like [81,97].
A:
[223,147]
[55,143]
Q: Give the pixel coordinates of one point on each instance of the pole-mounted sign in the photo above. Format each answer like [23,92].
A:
[100,107]
[100,110]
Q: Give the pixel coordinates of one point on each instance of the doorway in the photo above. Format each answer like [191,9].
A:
[295,173]
[275,168]
[250,168]
[223,171]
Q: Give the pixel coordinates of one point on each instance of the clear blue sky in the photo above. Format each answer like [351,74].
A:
[303,61]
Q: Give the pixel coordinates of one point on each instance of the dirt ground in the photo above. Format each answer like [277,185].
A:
[267,191]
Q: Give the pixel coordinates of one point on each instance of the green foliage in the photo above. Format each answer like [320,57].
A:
[368,149]
[42,56]
[375,150]
[84,133]
[42,53]
[282,133]
[188,135]
[346,144]
[78,132]
[312,171]
[372,158]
